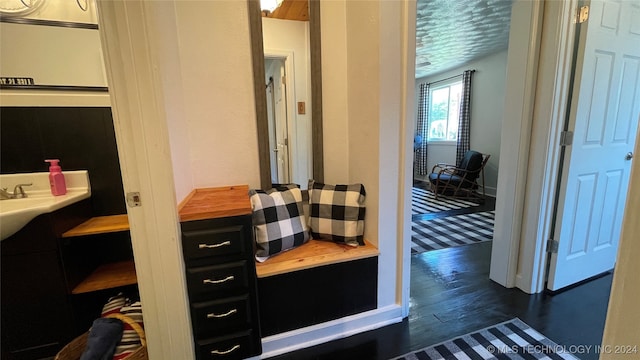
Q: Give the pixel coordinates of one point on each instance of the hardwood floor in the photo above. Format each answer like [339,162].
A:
[451,295]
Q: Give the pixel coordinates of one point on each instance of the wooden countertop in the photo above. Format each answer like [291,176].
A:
[209,203]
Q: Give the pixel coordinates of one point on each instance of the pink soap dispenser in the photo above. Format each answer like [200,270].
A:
[56,178]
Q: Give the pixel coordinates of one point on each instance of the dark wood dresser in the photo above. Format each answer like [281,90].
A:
[217,244]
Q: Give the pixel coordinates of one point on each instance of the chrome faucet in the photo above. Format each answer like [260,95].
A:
[18,192]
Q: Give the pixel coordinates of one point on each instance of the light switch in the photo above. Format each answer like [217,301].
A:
[301,108]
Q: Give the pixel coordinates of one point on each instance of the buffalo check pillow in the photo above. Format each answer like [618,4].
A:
[337,212]
[278,220]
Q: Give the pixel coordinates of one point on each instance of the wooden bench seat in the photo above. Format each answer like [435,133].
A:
[313,254]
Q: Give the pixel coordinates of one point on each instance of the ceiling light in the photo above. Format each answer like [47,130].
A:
[269,5]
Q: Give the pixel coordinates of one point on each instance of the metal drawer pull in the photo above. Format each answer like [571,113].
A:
[218,352]
[209,281]
[207,246]
[230,312]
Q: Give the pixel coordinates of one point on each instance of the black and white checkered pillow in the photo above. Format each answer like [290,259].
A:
[337,212]
[278,220]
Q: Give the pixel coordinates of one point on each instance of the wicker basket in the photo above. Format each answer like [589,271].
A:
[74,349]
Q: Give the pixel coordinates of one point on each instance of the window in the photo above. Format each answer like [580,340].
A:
[444,108]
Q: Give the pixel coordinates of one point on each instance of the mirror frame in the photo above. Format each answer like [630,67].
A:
[257,58]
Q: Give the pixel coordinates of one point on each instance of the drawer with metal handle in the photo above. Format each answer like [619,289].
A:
[213,242]
[221,316]
[235,346]
[216,278]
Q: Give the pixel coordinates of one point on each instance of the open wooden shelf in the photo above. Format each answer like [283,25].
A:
[108,276]
[313,254]
[100,225]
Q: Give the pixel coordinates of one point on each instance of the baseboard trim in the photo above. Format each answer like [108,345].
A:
[491,191]
[332,330]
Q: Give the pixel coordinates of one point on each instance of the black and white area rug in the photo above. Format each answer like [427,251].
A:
[456,230]
[512,339]
[424,202]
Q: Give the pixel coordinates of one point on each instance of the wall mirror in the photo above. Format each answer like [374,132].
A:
[286,55]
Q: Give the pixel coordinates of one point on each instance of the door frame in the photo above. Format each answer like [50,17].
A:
[519,251]
[292,124]
[522,72]
[558,52]
[130,43]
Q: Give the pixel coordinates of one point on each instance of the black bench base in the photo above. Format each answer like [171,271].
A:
[312,296]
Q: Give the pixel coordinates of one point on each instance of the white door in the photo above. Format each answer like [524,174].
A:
[282,126]
[604,117]
[278,115]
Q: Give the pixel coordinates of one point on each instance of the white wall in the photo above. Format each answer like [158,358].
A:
[217,83]
[362,119]
[289,36]
[487,103]
[363,91]
[335,102]
[53,56]
[169,61]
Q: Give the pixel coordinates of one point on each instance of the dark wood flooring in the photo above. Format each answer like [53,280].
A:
[451,295]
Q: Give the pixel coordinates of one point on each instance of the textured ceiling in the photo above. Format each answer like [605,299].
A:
[450,33]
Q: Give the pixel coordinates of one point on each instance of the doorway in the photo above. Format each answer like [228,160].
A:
[278,115]
[442,221]
[536,150]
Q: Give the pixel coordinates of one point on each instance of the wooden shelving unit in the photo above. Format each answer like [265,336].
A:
[108,276]
[100,225]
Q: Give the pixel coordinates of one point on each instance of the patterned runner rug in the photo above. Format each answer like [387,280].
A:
[512,339]
[424,202]
[451,231]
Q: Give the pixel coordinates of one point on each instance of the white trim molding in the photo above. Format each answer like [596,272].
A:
[53,98]
[407,118]
[522,66]
[130,40]
[551,107]
[332,330]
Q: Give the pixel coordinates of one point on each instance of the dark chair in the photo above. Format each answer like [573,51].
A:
[460,181]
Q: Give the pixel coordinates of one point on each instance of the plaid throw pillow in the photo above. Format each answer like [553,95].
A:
[278,220]
[337,212]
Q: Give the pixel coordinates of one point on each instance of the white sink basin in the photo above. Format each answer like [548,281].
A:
[16,213]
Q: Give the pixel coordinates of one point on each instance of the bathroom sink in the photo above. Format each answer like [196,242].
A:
[13,205]
[16,213]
